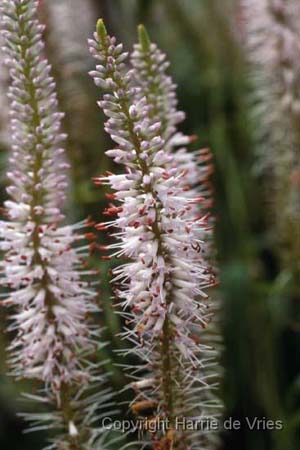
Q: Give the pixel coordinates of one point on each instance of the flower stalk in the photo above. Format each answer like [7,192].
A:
[162,287]
[51,295]
[273,41]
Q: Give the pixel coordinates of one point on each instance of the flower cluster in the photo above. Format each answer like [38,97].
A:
[163,286]
[273,40]
[51,296]
[152,82]
[149,76]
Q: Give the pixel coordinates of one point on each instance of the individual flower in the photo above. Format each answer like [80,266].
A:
[50,295]
[163,286]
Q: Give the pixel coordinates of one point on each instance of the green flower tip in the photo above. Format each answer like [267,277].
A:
[101,29]
[144,39]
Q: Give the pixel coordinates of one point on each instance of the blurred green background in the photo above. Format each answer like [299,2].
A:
[260,302]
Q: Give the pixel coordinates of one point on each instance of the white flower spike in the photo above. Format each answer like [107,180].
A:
[163,286]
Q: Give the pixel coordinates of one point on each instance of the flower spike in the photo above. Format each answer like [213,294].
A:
[162,289]
[52,298]
[273,44]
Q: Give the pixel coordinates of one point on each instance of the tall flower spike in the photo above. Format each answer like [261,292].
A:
[162,287]
[152,81]
[273,39]
[52,299]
